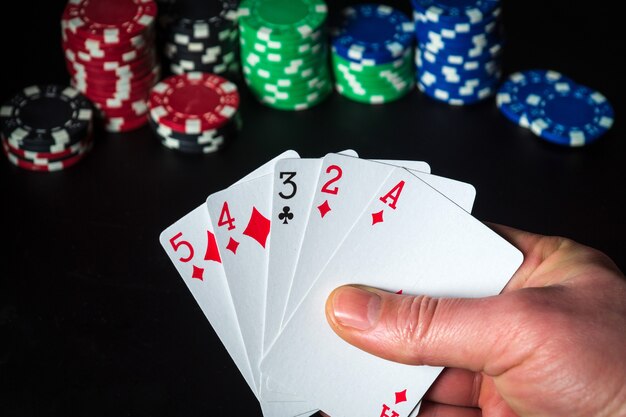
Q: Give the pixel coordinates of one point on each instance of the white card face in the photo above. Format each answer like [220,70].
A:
[268,167]
[190,244]
[294,186]
[209,287]
[335,207]
[420,166]
[276,409]
[460,193]
[241,219]
[286,241]
[421,242]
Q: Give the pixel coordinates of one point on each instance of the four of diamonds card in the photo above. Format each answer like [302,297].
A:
[262,256]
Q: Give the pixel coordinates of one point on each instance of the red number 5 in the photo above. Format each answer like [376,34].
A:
[177,245]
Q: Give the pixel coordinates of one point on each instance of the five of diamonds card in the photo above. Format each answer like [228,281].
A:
[261,257]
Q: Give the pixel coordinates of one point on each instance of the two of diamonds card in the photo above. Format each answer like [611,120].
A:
[262,256]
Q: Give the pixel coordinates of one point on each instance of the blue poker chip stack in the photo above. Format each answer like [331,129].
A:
[459,48]
[555,108]
[372,54]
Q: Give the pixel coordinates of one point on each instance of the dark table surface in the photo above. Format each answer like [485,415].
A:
[94,319]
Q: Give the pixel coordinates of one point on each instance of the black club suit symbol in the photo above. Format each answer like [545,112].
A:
[286,215]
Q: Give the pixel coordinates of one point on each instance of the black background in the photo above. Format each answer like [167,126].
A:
[94,319]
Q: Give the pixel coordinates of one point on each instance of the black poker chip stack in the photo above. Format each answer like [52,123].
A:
[46,127]
[203,38]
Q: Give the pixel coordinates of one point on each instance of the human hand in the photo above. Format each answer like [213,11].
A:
[552,344]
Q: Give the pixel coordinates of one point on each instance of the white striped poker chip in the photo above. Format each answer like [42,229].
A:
[524,89]
[204,138]
[260,16]
[46,115]
[463,96]
[98,47]
[112,21]
[224,35]
[571,117]
[209,146]
[194,102]
[451,61]
[452,28]
[376,32]
[45,165]
[221,14]
[124,124]
[472,11]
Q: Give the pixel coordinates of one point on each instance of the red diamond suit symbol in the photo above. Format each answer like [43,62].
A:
[258,227]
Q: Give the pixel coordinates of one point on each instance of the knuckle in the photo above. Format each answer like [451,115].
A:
[412,324]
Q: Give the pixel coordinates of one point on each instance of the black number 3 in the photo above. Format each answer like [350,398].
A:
[288,181]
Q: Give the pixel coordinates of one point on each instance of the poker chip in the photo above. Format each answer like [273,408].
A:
[284,54]
[195,112]
[372,54]
[46,127]
[523,90]
[44,165]
[204,42]
[459,49]
[555,107]
[110,55]
[572,117]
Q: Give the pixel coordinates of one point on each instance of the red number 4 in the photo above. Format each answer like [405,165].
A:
[226,218]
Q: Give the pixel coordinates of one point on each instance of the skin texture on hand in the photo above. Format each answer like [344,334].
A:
[552,344]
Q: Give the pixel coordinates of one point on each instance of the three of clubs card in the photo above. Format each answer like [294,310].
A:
[261,257]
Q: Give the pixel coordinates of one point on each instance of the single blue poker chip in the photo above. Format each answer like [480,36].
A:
[524,90]
[472,11]
[451,56]
[458,98]
[448,40]
[373,32]
[457,73]
[422,22]
[571,117]
[451,80]
[458,61]
[461,88]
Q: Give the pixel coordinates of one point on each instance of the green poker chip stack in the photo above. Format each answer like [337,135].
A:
[284,52]
[372,83]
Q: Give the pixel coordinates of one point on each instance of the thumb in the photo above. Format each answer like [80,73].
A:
[419,330]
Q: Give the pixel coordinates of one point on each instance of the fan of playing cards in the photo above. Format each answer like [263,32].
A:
[262,256]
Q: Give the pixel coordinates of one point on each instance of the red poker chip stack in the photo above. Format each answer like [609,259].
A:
[111,57]
[195,112]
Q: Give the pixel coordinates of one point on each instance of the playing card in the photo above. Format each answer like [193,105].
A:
[332,214]
[294,183]
[336,207]
[191,245]
[241,219]
[407,237]
[420,166]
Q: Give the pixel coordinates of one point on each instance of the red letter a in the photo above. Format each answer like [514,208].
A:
[394,195]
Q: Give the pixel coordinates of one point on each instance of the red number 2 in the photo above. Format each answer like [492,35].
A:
[333,180]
